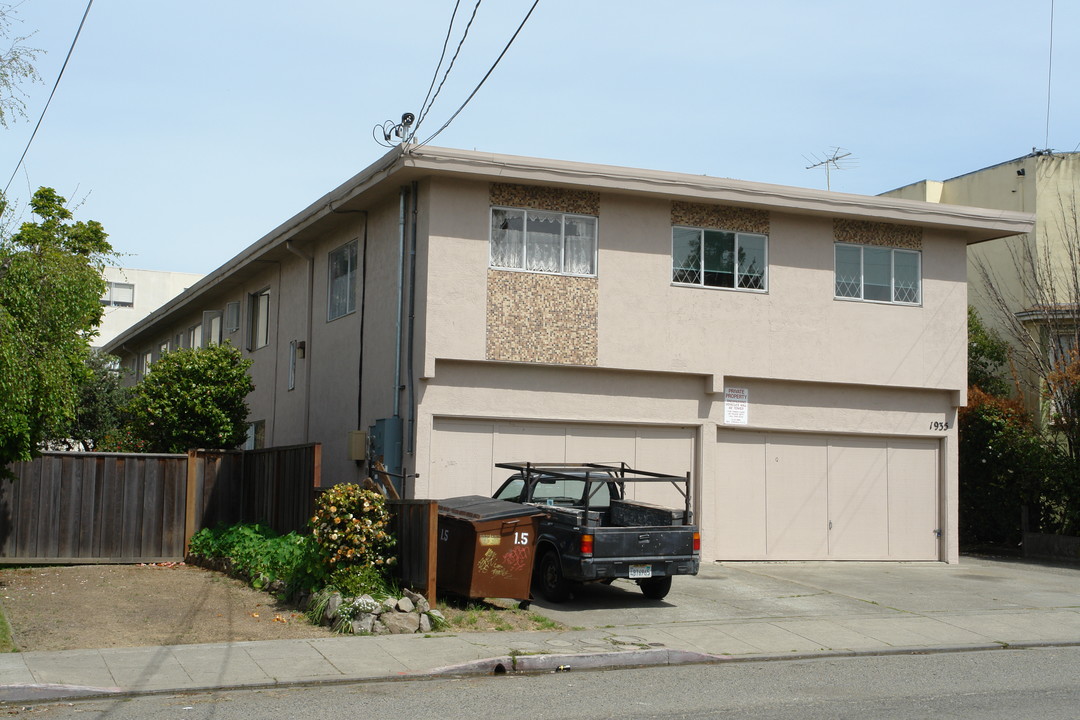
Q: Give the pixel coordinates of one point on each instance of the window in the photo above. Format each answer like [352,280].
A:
[232,317]
[878,274]
[211,328]
[341,285]
[259,319]
[292,365]
[163,349]
[256,435]
[719,258]
[145,361]
[118,294]
[194,336]
[539,241]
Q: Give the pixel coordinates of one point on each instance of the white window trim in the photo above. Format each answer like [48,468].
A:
[892,279]
[562,238]
[764,290]
[255,340]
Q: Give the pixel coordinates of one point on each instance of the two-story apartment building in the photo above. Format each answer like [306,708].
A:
[801,353]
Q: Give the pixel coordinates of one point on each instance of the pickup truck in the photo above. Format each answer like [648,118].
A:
[589,532]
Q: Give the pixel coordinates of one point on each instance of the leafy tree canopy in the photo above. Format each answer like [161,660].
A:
[987,354]
[50,306]
[102,397]
[193,398]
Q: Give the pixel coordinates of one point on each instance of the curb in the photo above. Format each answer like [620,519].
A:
[509,665]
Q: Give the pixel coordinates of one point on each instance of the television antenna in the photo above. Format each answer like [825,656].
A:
[835,159]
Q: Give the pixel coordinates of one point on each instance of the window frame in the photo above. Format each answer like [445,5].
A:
[232,316]
[562,241]
[893,252]
[258,319]
[350,304]
[107,299]
[736,274]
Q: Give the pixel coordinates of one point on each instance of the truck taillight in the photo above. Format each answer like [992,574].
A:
[697,542]
[586,545]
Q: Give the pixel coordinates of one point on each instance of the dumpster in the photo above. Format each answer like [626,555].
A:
[486,547]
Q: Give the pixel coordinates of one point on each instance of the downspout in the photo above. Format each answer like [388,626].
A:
[363,307]
[307,335]
[401,302]
[411,431]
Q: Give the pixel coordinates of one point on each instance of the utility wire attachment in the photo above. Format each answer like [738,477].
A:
[838,158]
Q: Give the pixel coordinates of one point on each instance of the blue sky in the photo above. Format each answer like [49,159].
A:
[190,129]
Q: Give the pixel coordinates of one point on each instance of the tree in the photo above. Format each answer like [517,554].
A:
[102,397]
[193,398]
[50,305]
[16,66]
[987,354]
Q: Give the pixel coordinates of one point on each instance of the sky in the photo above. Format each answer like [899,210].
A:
[191,129]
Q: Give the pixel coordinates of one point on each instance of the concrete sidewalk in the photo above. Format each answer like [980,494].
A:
[737,611]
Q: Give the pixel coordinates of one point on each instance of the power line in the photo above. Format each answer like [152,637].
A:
[1049,75]
[55,85]
[486,76]
[442,55]
[423,112]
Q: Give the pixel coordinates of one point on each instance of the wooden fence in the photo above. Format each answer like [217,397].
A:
[65,508]
[416,527]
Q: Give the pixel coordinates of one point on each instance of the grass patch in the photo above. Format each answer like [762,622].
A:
[491,615]
[7,645]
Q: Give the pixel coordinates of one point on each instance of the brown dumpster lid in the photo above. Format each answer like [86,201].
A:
[478,507]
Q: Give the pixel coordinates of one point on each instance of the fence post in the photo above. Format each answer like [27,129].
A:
[432,550]
[190,505]
[316,474]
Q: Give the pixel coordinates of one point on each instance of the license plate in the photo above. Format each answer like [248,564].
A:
[641,571]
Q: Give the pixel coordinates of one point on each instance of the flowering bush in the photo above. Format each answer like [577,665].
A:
[352,527]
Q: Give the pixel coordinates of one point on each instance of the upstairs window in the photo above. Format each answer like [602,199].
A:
[232,317]
[118,294]
[541,241]
[878,274]
[259,319]
[719,258]
[341,285]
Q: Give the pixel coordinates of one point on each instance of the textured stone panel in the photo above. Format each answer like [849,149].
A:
[539,318]
[720,217]
[865,232]
[540,197]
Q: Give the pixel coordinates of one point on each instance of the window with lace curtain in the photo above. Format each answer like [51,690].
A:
[542,241]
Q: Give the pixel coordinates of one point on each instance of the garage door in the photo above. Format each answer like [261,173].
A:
[464,452]
[787,496]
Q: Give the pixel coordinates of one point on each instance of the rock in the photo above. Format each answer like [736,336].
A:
[405,605]
[389,605]
[425,623]
[379,628]
[436,615]
[364,624]
[421,603]
[332,606]
[400,623]
[276,586]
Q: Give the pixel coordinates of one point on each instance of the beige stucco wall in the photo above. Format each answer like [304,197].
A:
[153,288]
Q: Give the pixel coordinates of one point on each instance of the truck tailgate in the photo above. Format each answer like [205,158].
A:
[644,542]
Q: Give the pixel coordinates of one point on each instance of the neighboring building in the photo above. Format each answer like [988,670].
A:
[801,352]
[130,295]
[1035,288]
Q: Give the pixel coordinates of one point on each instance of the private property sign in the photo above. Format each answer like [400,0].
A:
[736,406]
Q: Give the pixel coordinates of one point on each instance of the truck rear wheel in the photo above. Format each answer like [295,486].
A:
[553,585]
[655,588]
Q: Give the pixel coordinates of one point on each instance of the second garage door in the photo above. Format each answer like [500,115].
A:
[788,496]
[464,451]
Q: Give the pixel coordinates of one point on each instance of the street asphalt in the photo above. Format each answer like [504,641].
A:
[730,612]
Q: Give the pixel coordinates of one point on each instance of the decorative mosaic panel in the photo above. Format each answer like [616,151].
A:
[865,232]
[720,217]
[541,318]
[539,197]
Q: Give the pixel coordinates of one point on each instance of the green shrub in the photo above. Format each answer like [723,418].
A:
[357,580]
[264,556]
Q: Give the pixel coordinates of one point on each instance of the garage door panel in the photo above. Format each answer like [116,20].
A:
[665,450]
[858,499]
[796,497]
[600,444]
[461,458]
[913,500]
[531,442]
[739,530]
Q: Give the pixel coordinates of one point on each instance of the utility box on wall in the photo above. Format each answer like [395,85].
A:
[386,446]
[357,443]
